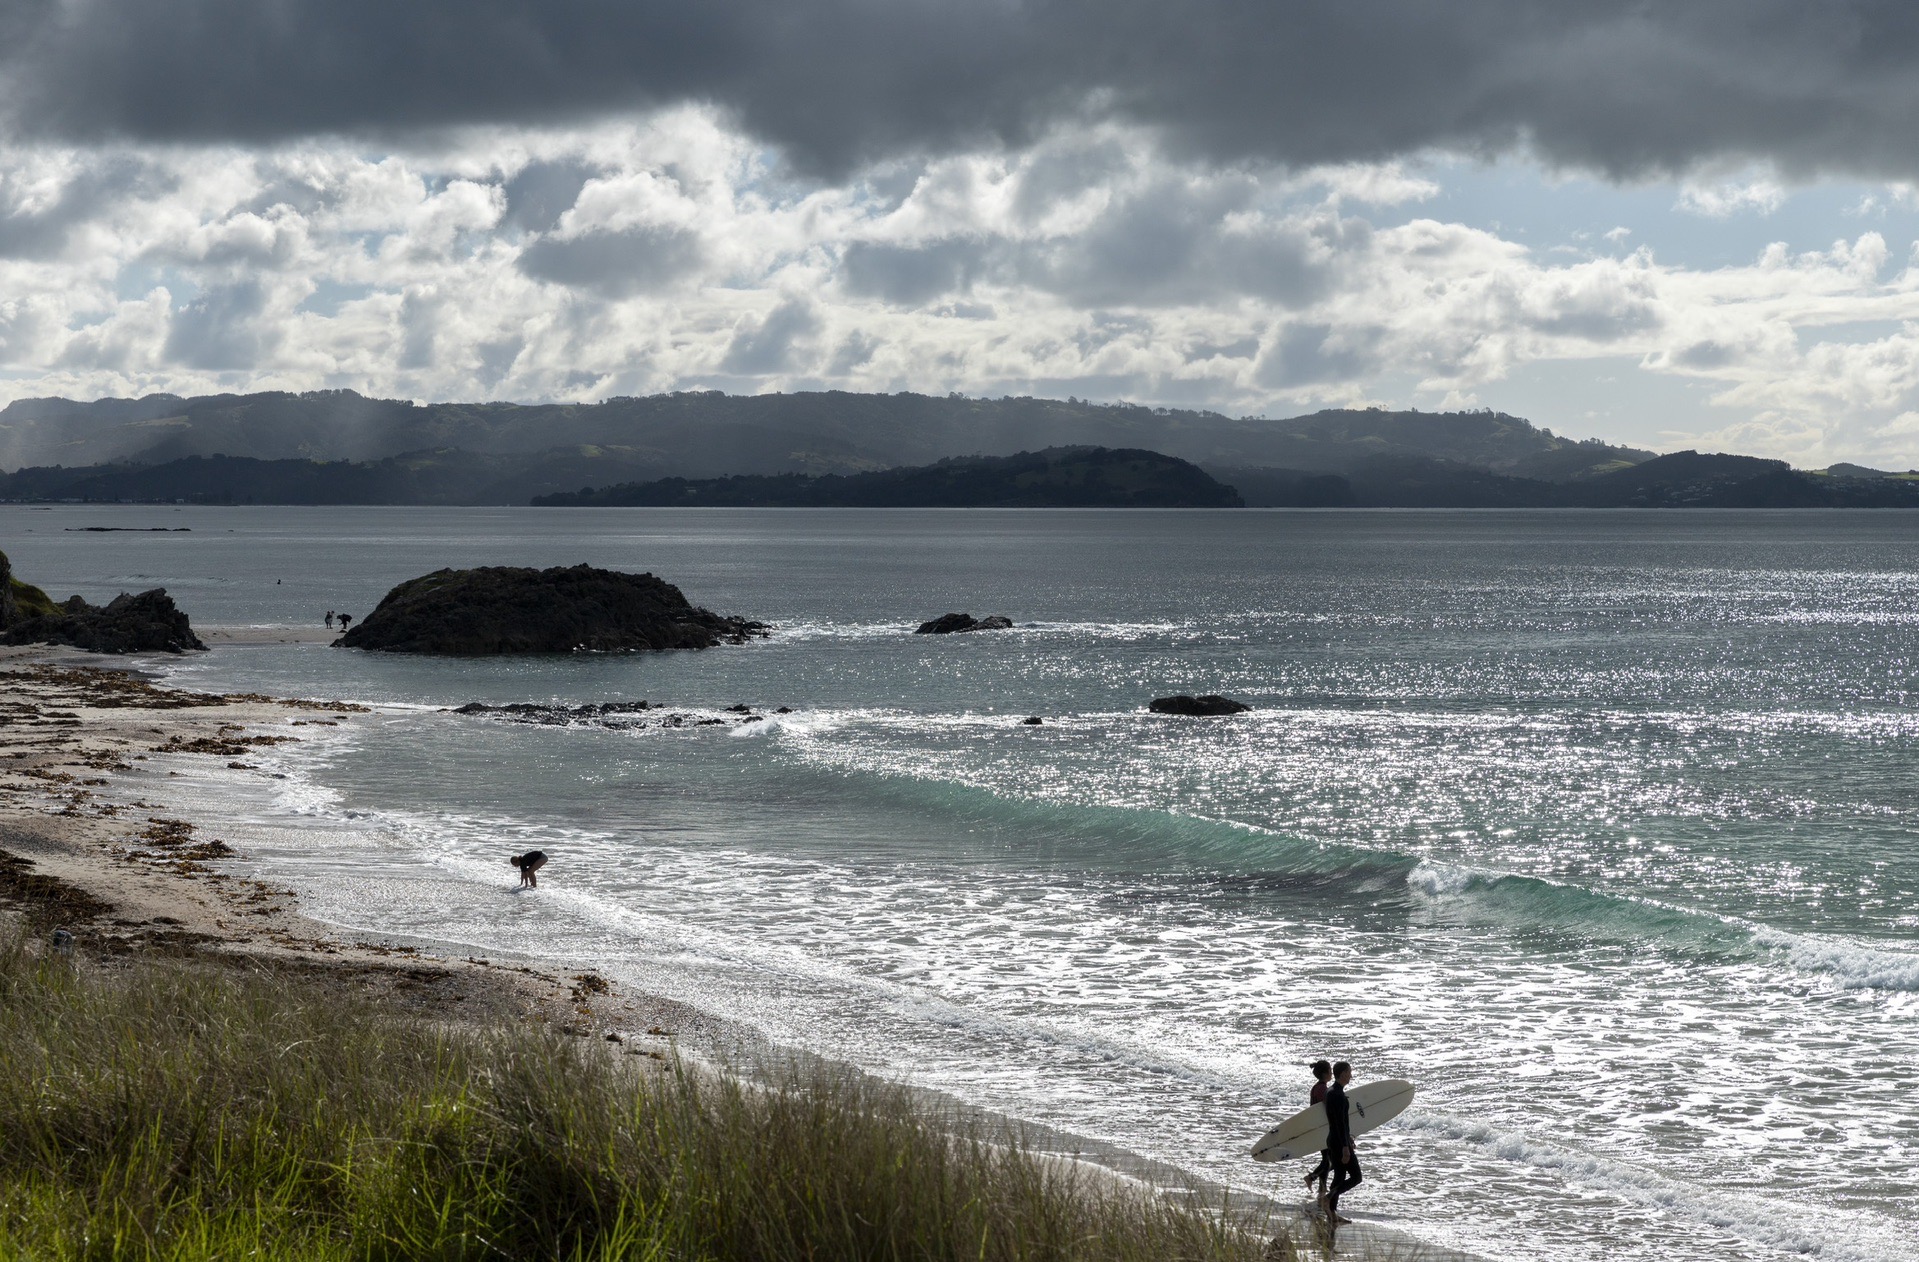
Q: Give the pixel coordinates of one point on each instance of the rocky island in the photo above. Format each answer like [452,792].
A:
[958,623]
[147,622]
[1210,706]
[571,609]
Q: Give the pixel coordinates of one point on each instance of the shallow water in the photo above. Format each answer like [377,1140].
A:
[1598,826]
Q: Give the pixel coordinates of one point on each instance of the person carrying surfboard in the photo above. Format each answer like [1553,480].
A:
[1322,1076]
[1339,1141]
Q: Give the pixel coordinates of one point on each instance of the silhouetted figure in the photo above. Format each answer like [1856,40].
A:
[329,620]
[345,620]
[1339,1140]
[1322,1077]
[529,865]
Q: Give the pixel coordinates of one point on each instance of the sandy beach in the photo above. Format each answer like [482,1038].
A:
[126,878]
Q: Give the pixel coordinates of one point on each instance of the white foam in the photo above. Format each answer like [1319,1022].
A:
[1441,880]
[1850,964]
[1774,1222]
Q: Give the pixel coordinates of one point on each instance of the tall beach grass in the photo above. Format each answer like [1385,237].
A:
[181,1110]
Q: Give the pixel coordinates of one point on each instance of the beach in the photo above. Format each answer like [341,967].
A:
[127,884]
[131,884]
[127,879]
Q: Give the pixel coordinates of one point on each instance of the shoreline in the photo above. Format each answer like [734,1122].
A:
[132,878]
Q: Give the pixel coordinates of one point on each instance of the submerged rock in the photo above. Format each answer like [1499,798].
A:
[1031,720]
[146,623]
[953,623]
[1211,705]
[508,609]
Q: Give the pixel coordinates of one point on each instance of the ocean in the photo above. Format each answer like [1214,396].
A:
[1601,827]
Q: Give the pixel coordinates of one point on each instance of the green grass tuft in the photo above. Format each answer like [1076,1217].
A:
[189,1111]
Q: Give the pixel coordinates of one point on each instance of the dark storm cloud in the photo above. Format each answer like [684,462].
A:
[1619,85]
[615,264]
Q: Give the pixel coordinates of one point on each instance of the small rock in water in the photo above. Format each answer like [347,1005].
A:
[948,624]
[1209,706]
[785,709]
[1031,720]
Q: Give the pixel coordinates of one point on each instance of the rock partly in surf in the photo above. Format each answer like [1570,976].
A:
[954,623]
[507,609]
[148,622]
[1212,705]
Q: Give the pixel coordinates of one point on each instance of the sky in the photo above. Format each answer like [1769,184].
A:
[1670,225]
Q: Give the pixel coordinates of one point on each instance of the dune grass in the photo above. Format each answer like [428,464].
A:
[175,1110]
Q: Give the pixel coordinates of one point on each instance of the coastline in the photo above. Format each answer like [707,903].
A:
[130,878]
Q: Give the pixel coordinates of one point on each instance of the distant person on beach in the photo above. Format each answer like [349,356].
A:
[345,618]
[329,620]
[529,864]
[1322,1076]
[1339,1142]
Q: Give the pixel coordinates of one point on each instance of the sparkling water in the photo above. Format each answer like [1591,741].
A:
[1600,827]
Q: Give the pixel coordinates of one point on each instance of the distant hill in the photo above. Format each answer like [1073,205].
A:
[445,476]
[1059,477]
[1684,479]
[338,447]
[709,434]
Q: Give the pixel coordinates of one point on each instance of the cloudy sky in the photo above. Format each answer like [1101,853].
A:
[1681,224]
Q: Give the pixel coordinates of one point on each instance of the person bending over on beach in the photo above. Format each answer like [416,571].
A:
[1339,1142]
[529,864]
[1322,1074]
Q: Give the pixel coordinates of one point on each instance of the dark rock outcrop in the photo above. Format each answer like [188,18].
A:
[1209,706]
[953,623]
[616,716]
[1031,720]
[508,609]
[148,622]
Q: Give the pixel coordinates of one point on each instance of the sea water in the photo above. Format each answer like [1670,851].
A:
[1600,827]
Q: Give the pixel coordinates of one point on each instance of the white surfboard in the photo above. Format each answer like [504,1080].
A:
[1304,1133]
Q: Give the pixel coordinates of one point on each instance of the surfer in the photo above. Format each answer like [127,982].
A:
[1322,1073]
[1339,1142]
[529,864]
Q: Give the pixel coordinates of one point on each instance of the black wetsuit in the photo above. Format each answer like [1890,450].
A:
[1339,1140]
[1326,1162]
